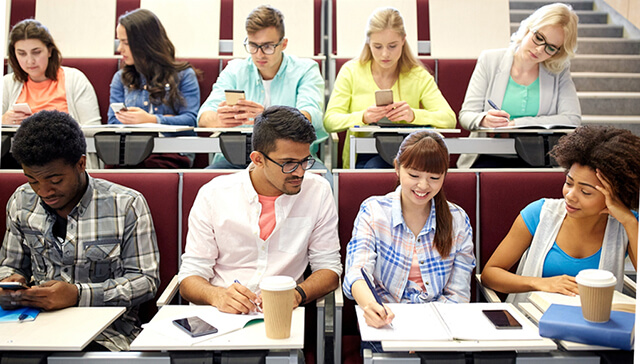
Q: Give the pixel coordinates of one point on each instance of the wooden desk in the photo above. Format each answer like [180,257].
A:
[69,329]
[252,337]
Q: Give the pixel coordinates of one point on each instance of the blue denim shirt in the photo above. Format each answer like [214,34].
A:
[298,84]
[184,115]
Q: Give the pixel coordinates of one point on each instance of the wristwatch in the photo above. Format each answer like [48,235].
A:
[302,295]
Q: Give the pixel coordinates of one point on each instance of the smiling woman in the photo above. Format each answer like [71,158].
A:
[594,226]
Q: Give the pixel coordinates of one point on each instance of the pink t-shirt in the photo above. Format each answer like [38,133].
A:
[45,95]
[267,216]
[414,272]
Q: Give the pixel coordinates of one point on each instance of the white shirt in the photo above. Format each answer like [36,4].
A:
[223,243]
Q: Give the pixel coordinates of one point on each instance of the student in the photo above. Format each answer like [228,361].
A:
[40,81]
[417,246]
[75,240]
[530,82]
[594,226]
[386,62]
[267,77]
[154,87]
[269,219]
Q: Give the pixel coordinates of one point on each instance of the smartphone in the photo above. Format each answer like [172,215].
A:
[233,96]
[502,319]
[384,97]
[13,285]
[23,108]
[195,326]
[118,106]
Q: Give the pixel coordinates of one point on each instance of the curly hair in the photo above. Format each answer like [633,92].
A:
[615,152]
[33,29]
[281,122]
[47,136]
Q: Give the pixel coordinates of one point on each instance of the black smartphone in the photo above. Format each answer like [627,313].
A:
[13,285]
[502,319]
[195,326]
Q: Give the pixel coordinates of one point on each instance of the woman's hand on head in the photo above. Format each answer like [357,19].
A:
[12,117]
[559,284]
[135,115]
[401,111]
[374,113]
[495,119]
[614,207]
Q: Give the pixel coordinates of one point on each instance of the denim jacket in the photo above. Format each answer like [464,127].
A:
[184,115]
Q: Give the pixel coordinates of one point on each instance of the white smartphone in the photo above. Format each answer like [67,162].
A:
[13,285]
[118,106]
[23,108]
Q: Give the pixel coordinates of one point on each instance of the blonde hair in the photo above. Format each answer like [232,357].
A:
[389,18]
[552,14]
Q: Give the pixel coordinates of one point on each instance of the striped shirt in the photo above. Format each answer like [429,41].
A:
[110,251]
[384,245]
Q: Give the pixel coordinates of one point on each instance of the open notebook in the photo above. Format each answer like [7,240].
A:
[443,322]
[542,300]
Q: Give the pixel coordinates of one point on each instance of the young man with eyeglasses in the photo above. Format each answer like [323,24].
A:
[267,77]
[270,219]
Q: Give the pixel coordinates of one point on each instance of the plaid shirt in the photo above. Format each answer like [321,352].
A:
[110,251]
[382,243]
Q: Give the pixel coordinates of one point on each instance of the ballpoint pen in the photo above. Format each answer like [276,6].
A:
[258,309]
[373,291]
[493,105]
[23,316]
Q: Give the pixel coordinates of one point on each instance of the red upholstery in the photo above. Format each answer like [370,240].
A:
[317,27]
[503,195]
[20,10]
[453,79]
[9,181]
[210,68]
[123,6]
[100,72]
[423,19]
[226,19]
[353,188]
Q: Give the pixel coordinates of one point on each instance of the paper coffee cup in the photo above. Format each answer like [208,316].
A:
[277,305]
[596,288]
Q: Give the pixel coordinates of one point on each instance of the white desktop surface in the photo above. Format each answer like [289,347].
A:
[475,345]
[252,337]
[69,329]
[400,129]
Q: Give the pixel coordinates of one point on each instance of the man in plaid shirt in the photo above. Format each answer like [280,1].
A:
[75,240]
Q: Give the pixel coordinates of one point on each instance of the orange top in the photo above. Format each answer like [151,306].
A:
[45,95]
[267,215]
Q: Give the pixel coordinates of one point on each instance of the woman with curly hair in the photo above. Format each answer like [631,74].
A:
[593,227]
[154,87]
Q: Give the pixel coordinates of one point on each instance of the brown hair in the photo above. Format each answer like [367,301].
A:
[615,152]
[263,17]
[154,57]
[33,29]
[426,151]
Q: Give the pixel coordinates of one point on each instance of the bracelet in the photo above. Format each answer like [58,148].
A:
[302,294]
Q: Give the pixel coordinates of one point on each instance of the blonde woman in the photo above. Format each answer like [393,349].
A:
[386,62]
[529,82]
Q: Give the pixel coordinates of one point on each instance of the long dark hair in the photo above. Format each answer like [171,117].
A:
[426,151]
[33,29]
[154,57]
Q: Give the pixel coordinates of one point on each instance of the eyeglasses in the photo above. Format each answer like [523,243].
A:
[539,39]
[267,49]
[289,167]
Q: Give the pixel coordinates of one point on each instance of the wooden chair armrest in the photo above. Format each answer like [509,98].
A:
[489,294]
[169,293]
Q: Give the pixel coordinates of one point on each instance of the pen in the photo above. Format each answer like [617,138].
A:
[373,291]
[258,309]
[493,105]
[23,316]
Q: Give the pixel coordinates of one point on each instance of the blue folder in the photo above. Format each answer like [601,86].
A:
[19,314]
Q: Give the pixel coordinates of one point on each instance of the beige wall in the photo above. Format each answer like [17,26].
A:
[630,9]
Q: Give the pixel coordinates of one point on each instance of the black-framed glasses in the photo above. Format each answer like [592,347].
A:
[539,39]
[289,167]
[268,48]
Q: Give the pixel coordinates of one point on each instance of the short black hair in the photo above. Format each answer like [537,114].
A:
[281,122]
[47,136]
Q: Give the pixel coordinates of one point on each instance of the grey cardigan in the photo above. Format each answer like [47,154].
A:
[559,102]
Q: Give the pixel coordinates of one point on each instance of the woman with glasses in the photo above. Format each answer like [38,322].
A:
[154,87]
[417,246]
[386,62]
[268,77]
[528,83]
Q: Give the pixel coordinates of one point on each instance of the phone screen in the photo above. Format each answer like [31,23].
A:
[502,319]
[195,326]
[232,96]
[12,285]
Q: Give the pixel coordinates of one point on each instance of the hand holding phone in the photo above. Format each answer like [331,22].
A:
[118,106]
[384,97]
[13,285]
[233,96]
[195,326]
[23,108]
[502,319]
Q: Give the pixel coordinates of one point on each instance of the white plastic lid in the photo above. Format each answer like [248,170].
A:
[277,283]
[596,278]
